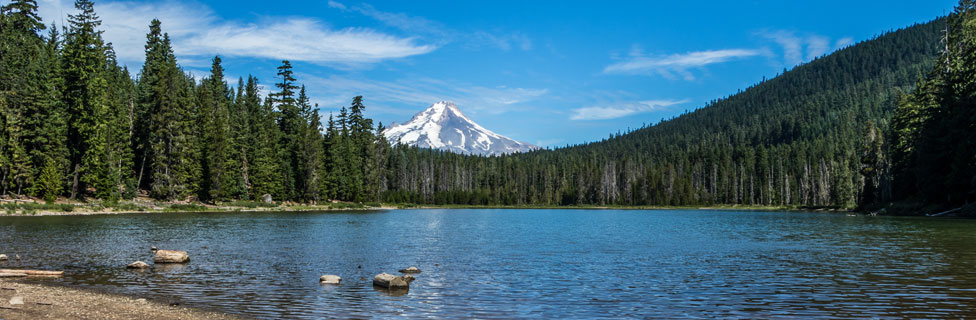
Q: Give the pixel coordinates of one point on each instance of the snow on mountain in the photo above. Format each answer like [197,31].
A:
[443,126]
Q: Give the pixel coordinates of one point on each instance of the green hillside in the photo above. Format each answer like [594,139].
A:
[795,140]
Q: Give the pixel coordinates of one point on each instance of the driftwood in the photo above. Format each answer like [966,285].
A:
[945,212]
[12,274]
[34,272]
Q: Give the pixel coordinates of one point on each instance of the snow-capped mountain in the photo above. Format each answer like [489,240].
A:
[443,126]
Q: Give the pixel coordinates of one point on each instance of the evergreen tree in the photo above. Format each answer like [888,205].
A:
[219,160]
[85,95]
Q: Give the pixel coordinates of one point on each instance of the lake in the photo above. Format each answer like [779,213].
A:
[519,263]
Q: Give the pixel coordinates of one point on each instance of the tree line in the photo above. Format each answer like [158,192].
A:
[932,139]
[861,127]
[77,124]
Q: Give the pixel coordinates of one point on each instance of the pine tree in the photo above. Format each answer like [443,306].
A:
[86,99]
[311,149]
[219,159]
[165,118]
[290,125]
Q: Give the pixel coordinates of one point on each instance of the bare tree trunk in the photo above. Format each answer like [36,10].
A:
[74,182]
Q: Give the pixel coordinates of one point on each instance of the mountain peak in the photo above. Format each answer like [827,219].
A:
[443,126]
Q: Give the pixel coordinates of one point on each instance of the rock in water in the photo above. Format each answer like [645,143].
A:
[138,265]
[387,280]
[3,257]
[411,270]
[330,279]
[171,256]
[267,198]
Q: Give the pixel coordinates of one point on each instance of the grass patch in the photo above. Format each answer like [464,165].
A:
[250,204]
[128,206]
[29,207]
[186,207]
[346,205]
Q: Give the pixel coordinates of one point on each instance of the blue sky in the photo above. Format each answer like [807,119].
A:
[546,72]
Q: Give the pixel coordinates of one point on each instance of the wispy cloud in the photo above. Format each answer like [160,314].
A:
[407,96]
[798,48]
[196,31]
[620,110]
[668,66]
[438,32]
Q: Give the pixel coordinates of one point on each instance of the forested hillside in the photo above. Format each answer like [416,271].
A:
[76,124]
[804,138]
[934,129]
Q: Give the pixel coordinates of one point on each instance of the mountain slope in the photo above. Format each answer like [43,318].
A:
[798,139]
[443,126]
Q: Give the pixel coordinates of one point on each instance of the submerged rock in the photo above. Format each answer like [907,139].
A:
[387,280]
[171,256]
[410,270]
[138,265]
[330,279]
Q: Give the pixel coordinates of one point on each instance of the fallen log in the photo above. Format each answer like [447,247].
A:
[34,272]
[945,212]
[12,274]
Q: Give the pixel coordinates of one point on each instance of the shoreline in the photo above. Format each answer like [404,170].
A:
[43,301]
[84,209]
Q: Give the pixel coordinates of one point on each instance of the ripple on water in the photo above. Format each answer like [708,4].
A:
[521,263]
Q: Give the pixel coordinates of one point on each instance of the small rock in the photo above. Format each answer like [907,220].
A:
[330,279]
[142,300]
[3,257]
[410,270]
[171,256]
[15,300]
[174,304]
[17,257]
[267,198]
[138,265]
[387,280]
[153,249]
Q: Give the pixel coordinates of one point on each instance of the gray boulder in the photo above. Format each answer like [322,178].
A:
[410,270]
[330,279]
[171,256]
[387,280]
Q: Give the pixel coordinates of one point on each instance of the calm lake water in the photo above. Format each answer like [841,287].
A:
[520,263]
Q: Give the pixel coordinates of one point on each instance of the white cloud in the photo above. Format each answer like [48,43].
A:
[638,63]
[620,110]
[196,31]
[817,46]
[843,42]
[801,48]
[418,93]
[438,32]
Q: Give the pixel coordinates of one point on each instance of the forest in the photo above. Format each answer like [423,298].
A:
[887,120]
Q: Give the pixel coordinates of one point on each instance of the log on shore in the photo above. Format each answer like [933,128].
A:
[34,272]
[12,274]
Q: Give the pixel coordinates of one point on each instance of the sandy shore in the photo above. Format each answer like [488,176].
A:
[52,302]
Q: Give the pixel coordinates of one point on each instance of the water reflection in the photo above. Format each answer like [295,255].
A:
[519,263]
